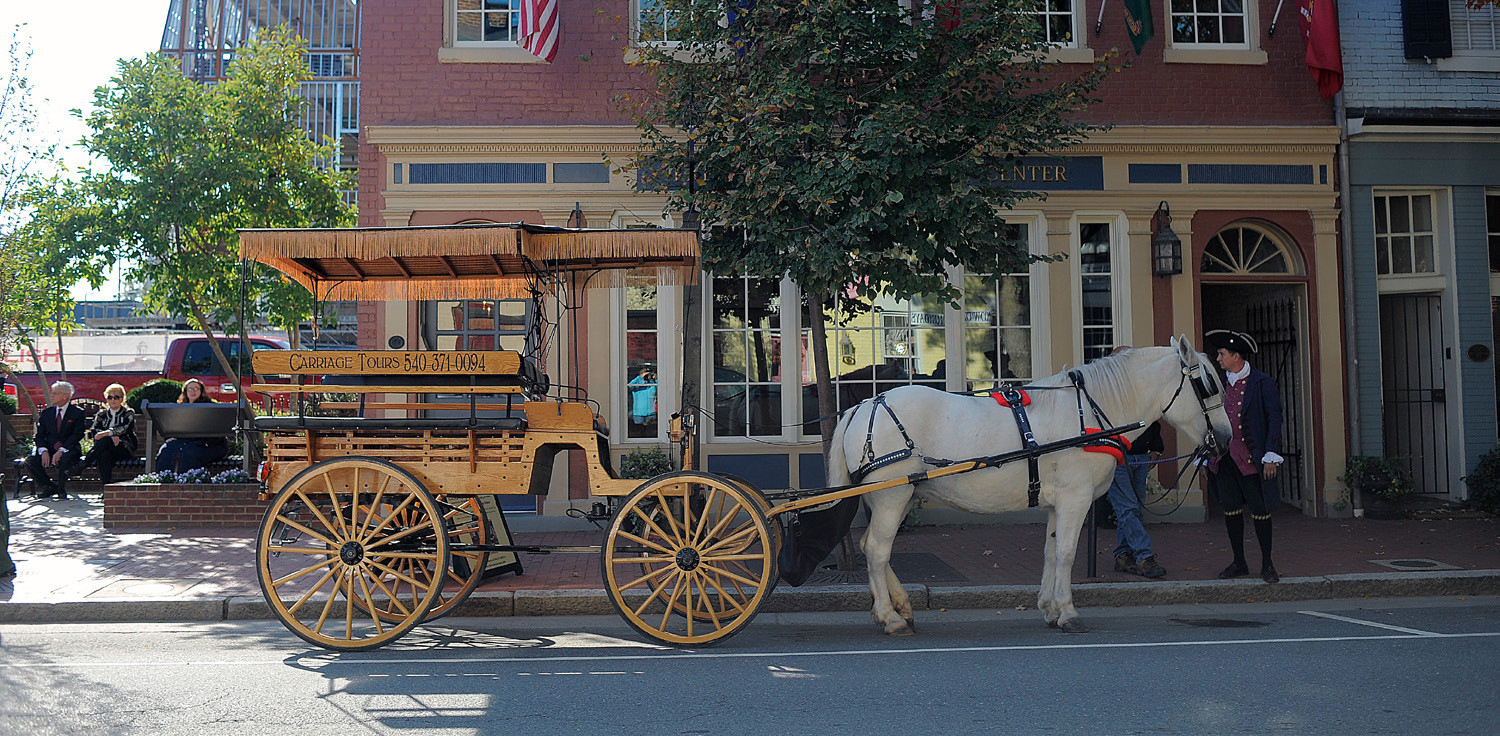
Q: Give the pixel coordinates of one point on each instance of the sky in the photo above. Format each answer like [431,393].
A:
[76,45]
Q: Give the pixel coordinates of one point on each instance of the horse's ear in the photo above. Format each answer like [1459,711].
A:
[1184,348]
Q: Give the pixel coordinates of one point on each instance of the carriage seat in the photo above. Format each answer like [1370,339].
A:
[293,424]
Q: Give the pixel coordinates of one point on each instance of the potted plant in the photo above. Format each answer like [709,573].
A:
[1380,482]
[645,463]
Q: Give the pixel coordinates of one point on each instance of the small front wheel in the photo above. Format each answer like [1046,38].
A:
[689,558]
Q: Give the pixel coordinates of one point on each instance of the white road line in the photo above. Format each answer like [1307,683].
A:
[1362,622]
[311,661]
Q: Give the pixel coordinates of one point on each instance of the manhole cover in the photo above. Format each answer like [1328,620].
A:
[1219,623]
[150,589]
[1415,565]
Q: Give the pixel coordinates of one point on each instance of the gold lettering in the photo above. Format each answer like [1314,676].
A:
[1062,173]
[1047,172]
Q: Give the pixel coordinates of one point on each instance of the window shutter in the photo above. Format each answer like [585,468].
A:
[1425,29]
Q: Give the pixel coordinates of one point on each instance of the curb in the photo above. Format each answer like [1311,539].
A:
[581,602]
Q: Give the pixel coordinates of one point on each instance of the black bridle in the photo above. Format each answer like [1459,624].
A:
[1209,396]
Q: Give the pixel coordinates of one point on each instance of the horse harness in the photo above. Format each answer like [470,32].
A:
[1016,400]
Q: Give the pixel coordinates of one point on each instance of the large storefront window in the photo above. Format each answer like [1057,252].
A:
[896,342]
[641,383]
[746,340]
[1095,263]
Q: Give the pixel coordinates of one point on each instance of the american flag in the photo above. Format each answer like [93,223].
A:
[539,28]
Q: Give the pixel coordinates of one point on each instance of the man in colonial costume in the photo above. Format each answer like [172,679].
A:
[1246,477]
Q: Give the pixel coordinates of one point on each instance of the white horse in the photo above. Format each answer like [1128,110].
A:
[1174,383]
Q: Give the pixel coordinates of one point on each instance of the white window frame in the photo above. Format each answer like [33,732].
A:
[668,370]
[1121,319]
[1460,18]
[1442,244]
[1041,325]
[1247,53]
[1494,275]
[454,51]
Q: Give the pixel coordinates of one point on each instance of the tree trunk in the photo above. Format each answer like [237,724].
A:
[62,358]
[692,364]
[828,407]
[213,341]
[36,360]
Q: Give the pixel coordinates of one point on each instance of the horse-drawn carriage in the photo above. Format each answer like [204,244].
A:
[376,523]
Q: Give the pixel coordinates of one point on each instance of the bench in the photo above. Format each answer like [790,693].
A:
[169,420]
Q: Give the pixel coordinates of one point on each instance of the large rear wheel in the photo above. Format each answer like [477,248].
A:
[689,558]
[342,528]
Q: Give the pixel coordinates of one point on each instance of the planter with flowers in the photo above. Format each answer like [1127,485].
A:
[193,498]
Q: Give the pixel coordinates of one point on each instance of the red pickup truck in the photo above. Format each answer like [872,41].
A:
[187,357]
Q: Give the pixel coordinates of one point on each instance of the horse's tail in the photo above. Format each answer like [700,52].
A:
[838,468]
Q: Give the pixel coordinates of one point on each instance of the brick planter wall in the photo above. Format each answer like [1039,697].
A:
[154,505]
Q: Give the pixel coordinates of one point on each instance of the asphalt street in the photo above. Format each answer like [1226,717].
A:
[1414,665]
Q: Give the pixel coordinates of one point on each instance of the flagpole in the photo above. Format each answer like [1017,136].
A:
[1274,16]
[1099,22]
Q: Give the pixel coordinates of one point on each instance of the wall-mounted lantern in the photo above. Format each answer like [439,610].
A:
[1166,247]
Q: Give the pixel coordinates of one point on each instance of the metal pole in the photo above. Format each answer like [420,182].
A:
[1093,527]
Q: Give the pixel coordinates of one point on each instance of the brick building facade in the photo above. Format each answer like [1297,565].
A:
[1229,131]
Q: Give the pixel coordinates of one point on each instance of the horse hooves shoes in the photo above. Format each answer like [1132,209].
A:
[1268,573]
[1233,571]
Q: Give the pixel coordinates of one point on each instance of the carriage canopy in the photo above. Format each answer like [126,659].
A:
[485,261]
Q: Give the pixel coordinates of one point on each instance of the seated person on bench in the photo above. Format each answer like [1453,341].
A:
[186,453]
[113,433]
[59,429]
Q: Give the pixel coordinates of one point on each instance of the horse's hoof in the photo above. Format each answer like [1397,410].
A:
[1073,626]
[1052,624]
[911,623]
[901,629]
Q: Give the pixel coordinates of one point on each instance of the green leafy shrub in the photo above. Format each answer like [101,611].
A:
[7,404]
[1484,483]
[645,463]
[157,391]
[20,448]
[1385,477]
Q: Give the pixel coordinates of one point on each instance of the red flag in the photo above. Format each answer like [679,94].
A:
[539,28]
[1320,29]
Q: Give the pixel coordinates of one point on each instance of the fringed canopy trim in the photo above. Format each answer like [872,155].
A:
[467,261]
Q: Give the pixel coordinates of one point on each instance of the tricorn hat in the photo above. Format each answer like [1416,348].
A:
[1234,342]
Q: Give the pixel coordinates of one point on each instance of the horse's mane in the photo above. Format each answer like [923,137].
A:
[1106,376]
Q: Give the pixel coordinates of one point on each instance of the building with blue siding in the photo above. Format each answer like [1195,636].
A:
[1421,110]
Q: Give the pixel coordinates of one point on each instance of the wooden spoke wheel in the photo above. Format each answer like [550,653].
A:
[689,558]
[466,526]
[334,536]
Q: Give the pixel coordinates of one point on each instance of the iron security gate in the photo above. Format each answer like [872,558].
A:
[1273,324]
[1413,368]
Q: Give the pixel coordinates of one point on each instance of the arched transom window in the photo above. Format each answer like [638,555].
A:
[1245,250]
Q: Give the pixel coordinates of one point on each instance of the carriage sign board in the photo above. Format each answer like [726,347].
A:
[369,362]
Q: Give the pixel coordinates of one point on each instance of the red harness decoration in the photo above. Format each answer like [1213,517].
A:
[1025,399]
[1115,446]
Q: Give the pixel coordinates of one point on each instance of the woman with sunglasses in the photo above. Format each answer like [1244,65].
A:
[113,433]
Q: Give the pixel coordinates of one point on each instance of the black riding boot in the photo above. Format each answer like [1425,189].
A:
[1263,535]
[1234,523]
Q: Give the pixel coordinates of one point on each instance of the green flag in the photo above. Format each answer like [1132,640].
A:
[1138,23]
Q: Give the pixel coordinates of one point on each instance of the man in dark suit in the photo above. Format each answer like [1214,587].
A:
[59,429]
[1246,477]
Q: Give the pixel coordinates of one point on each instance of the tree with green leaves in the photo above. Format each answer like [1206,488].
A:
[190,164]
[28,295]
[853,146]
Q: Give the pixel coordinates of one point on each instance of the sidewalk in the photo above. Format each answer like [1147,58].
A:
[71,569]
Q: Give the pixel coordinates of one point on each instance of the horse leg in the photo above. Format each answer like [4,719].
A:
[1045,598]
[887,507]
[900,601]
[1070,511]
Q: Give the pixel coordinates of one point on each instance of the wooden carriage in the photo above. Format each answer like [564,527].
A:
[378,519]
